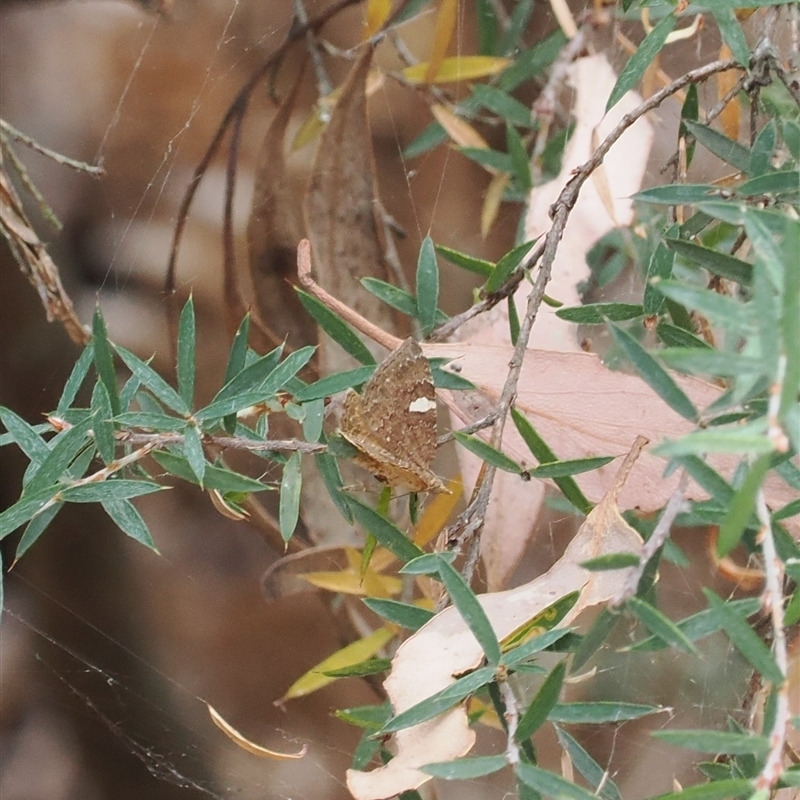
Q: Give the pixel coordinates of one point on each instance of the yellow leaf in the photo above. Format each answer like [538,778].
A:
[376,13]
[443,33]
[246,744]
[226,508]
[491,203]
[458,129]
[730,118]
[372,584]
[354,653]
[310,130]
[436,513]
[457,68]
[541,622]
[488,716]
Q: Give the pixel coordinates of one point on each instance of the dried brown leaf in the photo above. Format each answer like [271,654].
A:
[273,230]
[340,207]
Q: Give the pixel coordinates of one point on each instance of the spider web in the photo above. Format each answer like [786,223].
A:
[81,670]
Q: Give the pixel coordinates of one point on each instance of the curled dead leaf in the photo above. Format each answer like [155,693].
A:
[246,744]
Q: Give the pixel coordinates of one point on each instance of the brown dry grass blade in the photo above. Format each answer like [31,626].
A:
[273,230]
[340,207]
[35,262]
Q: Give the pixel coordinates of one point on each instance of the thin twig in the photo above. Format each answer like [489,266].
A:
[772,598]
[65,161]
[224,442]
[512,720]
[654,543]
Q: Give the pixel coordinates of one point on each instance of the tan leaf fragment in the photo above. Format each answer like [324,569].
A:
[445,647]
[246,744]
[273,230]
[583,409]
[457,128]
[730,118]
[340,209]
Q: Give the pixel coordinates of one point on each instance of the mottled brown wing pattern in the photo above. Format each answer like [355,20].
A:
[393,422]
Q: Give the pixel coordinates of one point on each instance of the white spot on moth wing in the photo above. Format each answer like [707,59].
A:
[421,405]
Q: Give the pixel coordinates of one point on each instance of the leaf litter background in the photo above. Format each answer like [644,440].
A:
[108,650]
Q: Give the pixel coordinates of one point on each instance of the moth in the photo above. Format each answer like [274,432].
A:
[392,423]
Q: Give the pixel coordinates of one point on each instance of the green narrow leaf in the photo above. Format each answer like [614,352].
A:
[600,712]
[738,744]
[336,328]
[517,24]
[431,137]
[513,658]
[520,163]
[24,509]
[592,772]
[111,489]
[223,480]
[718,790]
[563,469]
[63,449]
[611,562]
[700,625]
[708,478]
[389,535]
[491,159]
[103,358]
[372,666]
[716,262]
[732,34]
[186,352]
[502,104]
[465,768]
[544,455]
[654,375]
[477,265]
[720,145]
[533,61]
[427,286]
[677,194]
[598,313]
[399,299]
[35,528]
[25,436]
[153,382]
[673,336]
[506,266]
[689,111]
[193,447]
[313,419]
[236,363]
[333,384]
[550,784]
[661,626]
[75,380]
[471,610]
[790,325]
[440,702]
[513,319]
[740,510]
[537,712]
[745,639]
[487,453]
[761,154]
[408,616]
[636,65]
[601,628]
[487,27]
[291,484]
[129,521]
[332,478]
[103,428]
[232,397]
